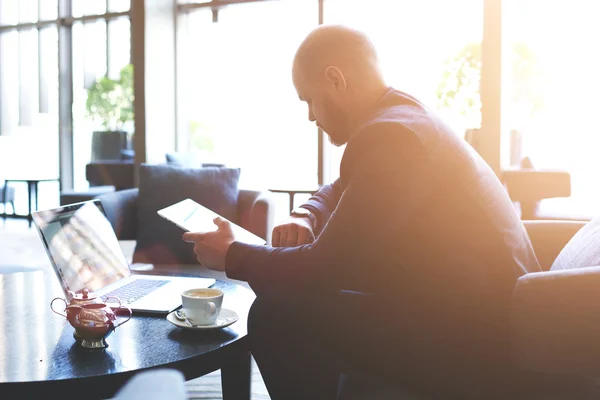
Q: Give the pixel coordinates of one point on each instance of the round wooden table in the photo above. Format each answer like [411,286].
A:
[39,357]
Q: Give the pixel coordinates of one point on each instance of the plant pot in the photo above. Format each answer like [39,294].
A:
[107,145]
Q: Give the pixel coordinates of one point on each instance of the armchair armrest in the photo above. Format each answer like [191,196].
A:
[256,213]
[555,321]
[531,185]
[550,237]
[121,210]
[528,186]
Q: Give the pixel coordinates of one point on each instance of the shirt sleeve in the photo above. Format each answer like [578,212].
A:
[366,217]
[323,202]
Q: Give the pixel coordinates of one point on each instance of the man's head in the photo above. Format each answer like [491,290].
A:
[336,72]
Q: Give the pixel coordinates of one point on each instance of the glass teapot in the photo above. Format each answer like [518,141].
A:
[93,319]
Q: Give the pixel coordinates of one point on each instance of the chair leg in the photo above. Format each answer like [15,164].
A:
[12,206]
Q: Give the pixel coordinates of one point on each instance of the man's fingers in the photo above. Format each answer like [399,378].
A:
[292,238]
[283,237]
[192,237]
[291,235]
[188,237]
[304,237]
[275,236]
[218,220]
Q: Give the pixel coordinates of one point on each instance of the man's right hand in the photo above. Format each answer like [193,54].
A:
[295,231]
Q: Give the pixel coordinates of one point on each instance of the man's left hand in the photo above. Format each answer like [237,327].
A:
[211,247]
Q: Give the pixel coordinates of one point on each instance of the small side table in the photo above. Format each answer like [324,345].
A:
[32,191]
[293,192]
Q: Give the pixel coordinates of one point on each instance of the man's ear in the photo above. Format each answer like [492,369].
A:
[336,78]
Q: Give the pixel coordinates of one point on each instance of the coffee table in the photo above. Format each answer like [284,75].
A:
[40,359]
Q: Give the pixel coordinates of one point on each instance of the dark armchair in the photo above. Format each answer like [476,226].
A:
[555,322]
[103,177]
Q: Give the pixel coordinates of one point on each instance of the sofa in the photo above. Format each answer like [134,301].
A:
[555,323]
[555,318]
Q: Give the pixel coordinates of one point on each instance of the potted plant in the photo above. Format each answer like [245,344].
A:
[110,105]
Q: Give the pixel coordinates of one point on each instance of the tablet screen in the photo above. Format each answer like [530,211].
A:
[193,217]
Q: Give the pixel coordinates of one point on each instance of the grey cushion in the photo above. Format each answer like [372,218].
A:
[159,241]
[583,250]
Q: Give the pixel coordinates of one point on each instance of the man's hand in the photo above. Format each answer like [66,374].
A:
[211,247]
[296,231]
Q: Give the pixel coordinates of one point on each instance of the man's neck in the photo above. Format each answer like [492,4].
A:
[367,105]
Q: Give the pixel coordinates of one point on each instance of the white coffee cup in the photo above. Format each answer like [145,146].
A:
[202,306]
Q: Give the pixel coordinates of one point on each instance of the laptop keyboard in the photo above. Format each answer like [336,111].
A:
[135,290]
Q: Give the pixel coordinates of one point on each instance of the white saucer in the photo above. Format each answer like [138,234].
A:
[226,317]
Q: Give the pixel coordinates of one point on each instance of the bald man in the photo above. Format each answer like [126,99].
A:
[401,271]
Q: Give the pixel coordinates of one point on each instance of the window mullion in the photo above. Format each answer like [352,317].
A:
[65,97]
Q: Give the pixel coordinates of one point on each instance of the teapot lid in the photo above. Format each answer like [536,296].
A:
[83,296]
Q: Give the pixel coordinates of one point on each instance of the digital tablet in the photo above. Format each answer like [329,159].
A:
[193,217]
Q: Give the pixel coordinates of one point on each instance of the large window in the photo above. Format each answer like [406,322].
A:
[100,48]
[550,90]
[241,105]
[28,94]
[420,49]
[47,55]
[236,102]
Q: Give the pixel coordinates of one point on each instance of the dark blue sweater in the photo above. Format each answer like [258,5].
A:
[417,218]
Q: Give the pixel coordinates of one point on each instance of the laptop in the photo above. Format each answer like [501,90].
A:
[85,254]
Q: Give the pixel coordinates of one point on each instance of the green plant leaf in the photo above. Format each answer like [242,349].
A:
[110,102]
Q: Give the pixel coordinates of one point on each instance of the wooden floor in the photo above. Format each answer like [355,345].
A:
[20,246]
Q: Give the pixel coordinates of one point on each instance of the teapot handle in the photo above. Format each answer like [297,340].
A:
[57,312]
[115,298]
[128,317]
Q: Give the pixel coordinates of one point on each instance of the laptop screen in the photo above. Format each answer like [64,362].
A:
[82,246]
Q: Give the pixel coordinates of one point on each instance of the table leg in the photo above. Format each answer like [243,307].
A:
[292,195]
[30,187]
[236,378]
[5,199]
[35,189]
